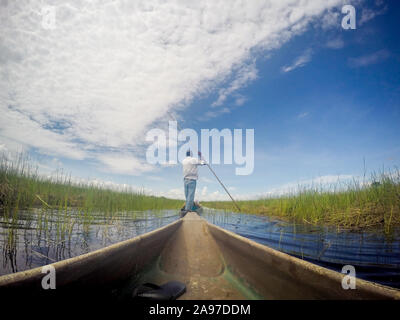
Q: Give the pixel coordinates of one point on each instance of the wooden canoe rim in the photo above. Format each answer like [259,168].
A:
[213,263]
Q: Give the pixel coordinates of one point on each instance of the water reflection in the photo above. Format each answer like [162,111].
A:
[38,237]
[375,256]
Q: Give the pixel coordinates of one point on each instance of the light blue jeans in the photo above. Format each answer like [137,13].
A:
[190,189]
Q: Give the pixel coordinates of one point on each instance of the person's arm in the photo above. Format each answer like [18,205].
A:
[201,161]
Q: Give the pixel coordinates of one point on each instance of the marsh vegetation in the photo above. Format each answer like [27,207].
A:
[46,219]
[372,203]
[22,187]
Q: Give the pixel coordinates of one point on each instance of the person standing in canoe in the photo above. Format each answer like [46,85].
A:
[190,175]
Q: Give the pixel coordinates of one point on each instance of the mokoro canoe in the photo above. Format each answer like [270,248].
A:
[213,263]
[197,208]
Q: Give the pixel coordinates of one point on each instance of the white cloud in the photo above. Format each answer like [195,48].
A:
[207,180]
[369,59]
[215,113]
[302,115]
[331,20]
[240,100]
[215,196]
[124,163]
[299,62]
[155,178]
[175,193]
[110,185]
[368,14]
[320,183]
[245,75]
[326,182]
[90,87]
[25,131]
[204,191]
[336,43]
[48,168]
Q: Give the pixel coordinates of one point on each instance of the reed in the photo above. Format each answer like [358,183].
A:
[355,205]
[22,187]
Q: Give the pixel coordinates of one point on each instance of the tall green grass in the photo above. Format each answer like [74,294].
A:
[53,211]
[356,205]
[22,187]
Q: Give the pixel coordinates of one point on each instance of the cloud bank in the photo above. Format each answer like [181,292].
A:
[299,62]
[91,86]
[369,59]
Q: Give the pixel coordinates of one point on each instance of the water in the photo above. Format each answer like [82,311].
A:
[37,237]
[376,257]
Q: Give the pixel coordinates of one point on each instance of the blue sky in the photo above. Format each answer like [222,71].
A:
[321,99]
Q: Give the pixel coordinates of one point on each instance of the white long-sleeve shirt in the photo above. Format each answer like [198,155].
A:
[190,165]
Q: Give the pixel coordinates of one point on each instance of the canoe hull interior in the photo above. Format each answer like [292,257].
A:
[212,262]
[192,256]
[96,272]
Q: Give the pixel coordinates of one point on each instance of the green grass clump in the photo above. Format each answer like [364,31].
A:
[22,187]
[355,205]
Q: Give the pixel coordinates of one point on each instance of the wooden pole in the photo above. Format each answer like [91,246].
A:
[222,185]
